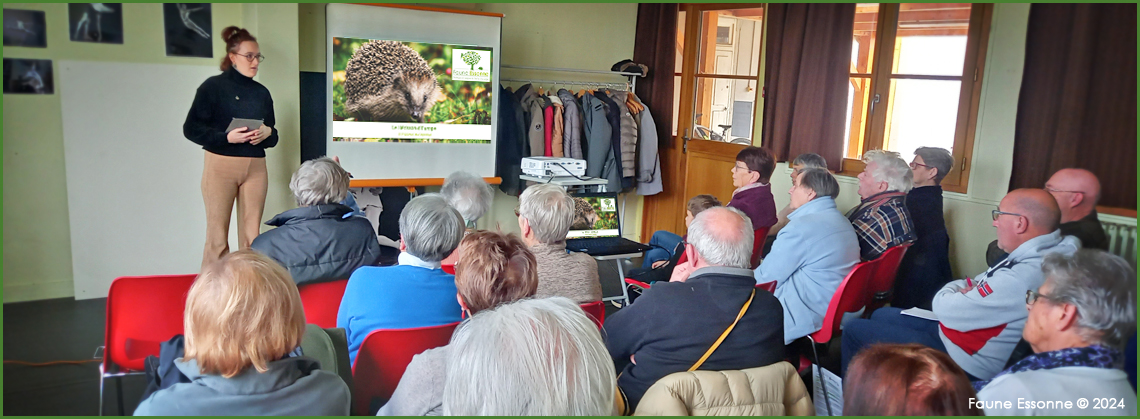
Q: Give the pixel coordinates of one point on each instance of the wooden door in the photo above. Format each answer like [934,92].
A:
[700,159]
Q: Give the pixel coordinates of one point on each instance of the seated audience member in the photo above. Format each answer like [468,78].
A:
[319,241]
[906,380]
[535,357]
[712,295]
[468,194]
[1079,320]
[881,220]
[415,293]
[801,162]
[665,244]
[244,325]
[496,269]
[545,214]
[926,265]
[979,319]
[1077,192]
[812,255]
[753,194]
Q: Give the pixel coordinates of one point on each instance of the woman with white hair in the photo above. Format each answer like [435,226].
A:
[468,194]
[881,219]
[319,241]
[244,325]
[545,214]
[529,358]
[414,293]
[1079,320]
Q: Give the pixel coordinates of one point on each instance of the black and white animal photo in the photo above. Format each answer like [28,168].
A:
[24,28]
[96,22]
[386,81]
[28,76]
[188,29]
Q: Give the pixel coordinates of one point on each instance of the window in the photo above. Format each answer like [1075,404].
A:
[923,91]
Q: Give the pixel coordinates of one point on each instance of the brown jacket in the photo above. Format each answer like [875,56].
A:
[570,275]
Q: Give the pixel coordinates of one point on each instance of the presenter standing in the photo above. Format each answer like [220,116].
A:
[234,167]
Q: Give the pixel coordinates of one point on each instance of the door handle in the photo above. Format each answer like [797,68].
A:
[685,142]
[874,101]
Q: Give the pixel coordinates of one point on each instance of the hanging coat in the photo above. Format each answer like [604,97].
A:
[597,133]
[612,172]
[649,161]
[510,143]
[532,107]
[571,125]
[628,143]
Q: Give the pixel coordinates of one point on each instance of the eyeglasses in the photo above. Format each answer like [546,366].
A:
[913,165]
[998,213]
[737,167]
[250,57]
[1031,297]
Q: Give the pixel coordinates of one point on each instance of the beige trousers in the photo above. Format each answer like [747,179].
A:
[225,179]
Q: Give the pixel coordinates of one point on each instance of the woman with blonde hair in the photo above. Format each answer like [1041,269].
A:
[244,325]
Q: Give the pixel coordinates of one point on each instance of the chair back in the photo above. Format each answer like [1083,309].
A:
[383,357]
[880,289]
[760,236]
[448,268]
[849,298]
[143,312]
[322,302]
[597,312]
[767,286]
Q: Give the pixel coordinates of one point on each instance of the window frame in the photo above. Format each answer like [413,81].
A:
[973,72]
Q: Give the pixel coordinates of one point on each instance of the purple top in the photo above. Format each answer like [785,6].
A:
[756,202]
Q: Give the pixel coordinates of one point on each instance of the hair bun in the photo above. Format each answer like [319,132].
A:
[231,31]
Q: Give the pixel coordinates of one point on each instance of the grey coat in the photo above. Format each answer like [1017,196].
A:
[532,106]
[319,243]
[598,132]
[648,161]
[420,391]
[293,386]
[628,135]
[571,125]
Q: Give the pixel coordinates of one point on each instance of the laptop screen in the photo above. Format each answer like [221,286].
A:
[594,216]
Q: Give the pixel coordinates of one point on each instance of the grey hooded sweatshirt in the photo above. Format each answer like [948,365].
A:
[294,386]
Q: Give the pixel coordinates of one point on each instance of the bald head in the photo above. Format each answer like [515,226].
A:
[1026,213]
[722,236]
[1076,192]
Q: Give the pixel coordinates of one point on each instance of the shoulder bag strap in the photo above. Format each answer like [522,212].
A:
[725,334]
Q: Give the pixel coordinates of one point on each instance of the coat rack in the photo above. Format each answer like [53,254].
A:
[629,85]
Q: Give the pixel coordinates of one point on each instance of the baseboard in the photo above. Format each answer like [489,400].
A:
[14,293]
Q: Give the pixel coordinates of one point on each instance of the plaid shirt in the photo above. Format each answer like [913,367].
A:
[881,222]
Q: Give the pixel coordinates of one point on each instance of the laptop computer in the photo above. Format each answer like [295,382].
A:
[596,228]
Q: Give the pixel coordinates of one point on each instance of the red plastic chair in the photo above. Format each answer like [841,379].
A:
[322,302]
[880,290]
[760,236]
[597,312]
[448,268]
[849,298]
[383,357]
[142,312]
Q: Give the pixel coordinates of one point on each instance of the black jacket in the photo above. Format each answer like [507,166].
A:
[511,143]
[926,266]
[219,100]
[674,323]
[320,243]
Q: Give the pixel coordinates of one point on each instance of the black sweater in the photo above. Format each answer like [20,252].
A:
[220,99]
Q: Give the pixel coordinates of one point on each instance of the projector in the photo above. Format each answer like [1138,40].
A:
[553,166]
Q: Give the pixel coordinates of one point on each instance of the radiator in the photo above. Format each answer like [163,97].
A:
[1121,238]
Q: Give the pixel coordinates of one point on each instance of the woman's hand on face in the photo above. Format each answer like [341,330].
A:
[240,135]
[260,135]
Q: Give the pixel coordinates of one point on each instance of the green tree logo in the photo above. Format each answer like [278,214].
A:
[471,58]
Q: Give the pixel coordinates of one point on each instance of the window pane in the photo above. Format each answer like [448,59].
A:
[725,110]
[680,46]
[676,102]
[922,113]
[730,42]
[932,38]
[863,39]
[858,97]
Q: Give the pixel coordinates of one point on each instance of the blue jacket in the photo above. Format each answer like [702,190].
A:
[809,259]
[396,297]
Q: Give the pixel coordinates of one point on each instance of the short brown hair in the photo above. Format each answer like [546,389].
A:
[906,380]
[233,36]
[702,202]
[758,159]
[494,268]
[242,310]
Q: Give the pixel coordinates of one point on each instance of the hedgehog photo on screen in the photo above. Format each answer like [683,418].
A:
[584,215]
[386,81]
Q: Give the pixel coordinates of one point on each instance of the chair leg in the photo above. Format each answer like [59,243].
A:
[822,380]
[101,378]
[119,389]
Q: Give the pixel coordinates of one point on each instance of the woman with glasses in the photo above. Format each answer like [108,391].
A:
[1079,321]
[234,167]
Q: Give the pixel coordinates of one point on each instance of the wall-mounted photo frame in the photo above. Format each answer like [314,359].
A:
[22,76]
[189,29]
[96,22]
[25,28]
